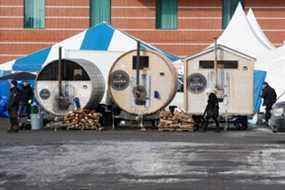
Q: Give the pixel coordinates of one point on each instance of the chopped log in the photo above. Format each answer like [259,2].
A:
[83,119]
[176,121]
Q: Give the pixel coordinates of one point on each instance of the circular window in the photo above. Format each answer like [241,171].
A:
[44,94]
[120,80]
[197,83]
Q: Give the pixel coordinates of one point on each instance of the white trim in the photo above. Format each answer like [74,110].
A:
[278,44]
[66,7]
[265,7]
[11,55]
[9,17]
[271,18]
[11,6]
[135,29]
[182,56]
[181,44]
[182,18]
[131,18]
[273,30]
[141,7]
[200,18]
[67,17]
[45,29]
[133,7]
[26,42]
[199,7]
[124,29]
[170,30]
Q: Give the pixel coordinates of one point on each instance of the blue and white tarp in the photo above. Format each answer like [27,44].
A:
[102,37]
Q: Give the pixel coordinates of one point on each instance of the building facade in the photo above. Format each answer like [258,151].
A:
[181,27]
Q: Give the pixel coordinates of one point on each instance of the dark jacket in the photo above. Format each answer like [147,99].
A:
[14,98]
[212,109]
[269,96]
[26,94]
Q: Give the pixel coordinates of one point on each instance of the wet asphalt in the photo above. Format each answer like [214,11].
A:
[132,159]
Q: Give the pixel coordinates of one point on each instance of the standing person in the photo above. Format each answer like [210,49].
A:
[26,97]
[13,105]
[211,111]
[269,98]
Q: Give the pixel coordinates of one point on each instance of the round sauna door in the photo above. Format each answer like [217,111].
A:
[151,91]
[79,81]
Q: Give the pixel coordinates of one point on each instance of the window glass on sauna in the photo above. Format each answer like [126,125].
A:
[70,71]
[100,11]
[222,64]
[34,14]
[229,7]
[180,84]
[166,14]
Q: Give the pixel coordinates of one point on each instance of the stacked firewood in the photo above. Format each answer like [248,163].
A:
[83,119]
[185,120]
[167,120]
[177,120]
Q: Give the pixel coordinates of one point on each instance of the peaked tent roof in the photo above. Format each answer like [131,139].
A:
[240,36]
[257,29]
[102,37]
[243,35]
[221,47]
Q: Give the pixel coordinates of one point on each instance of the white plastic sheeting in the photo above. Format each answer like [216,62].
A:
[240,36]
[257,30]
[244,34]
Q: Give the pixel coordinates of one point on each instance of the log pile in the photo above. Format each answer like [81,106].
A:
[83,119]
[177,121]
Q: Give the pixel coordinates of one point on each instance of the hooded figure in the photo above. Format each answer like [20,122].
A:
[26,98]
[211,111]
[13,105]
[269,98]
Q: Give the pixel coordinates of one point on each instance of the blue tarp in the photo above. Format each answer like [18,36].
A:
[258,78]
[4,92]
[33,62]
[3,106]
[97,38]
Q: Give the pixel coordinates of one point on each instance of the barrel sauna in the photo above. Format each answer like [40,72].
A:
[142,82]
[82,85]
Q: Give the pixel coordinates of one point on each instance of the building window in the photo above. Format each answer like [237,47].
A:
[166,14]
[229,7]
[100,11]
[34,14]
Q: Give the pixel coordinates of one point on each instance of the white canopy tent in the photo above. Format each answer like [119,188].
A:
[257,29]
[240,36]
[244,34]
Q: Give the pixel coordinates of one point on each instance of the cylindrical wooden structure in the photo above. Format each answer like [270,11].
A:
[157,82]
[82,85]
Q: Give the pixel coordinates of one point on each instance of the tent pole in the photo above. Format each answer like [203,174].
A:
[216,64]
[138,63]
[59,71]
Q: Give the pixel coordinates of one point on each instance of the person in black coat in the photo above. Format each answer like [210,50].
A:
[26,97]
[211,112]
[269,98]
[13,106]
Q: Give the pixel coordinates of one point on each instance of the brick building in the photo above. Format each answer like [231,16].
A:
[181,27]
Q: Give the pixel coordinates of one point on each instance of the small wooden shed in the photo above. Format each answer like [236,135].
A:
[221,69]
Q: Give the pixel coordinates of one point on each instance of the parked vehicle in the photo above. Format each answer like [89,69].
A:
[277,120]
